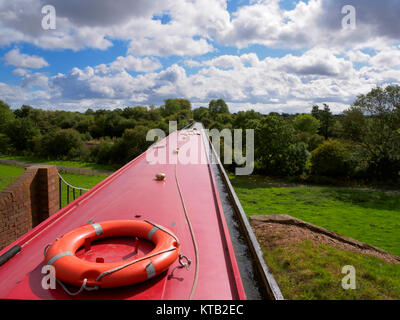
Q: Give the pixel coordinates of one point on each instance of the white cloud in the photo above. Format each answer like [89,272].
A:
[316,76]
[136,64]
[35,80]
[17,59]
[324,71]
[20,72]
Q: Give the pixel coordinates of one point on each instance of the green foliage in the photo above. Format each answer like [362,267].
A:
[380,137]
[173,106]
[282,141]
[352,124]
[23,112]
[59,144]
[200,113]
[21,132]
[218,106]
[6,115]
[326,119]
[331,159]
[275,148]
[131,145]
[103,153]
[297,156]
[137,112]
[314,142]
[243,119]
[306,123]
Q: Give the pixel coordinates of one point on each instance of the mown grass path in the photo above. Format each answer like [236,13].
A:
[368,216]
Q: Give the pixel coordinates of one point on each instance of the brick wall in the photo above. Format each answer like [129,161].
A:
[26,202]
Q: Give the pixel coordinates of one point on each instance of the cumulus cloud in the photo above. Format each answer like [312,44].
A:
[316,22]
[316,76]
[136,64]
[36,79]
[17,59]
[332,65]
[20,72]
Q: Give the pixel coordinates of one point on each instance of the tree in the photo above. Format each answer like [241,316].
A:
[306,123]
[60,143]
[326,119]
[6,115]
[218,106]
[380,130]
[200,113]
[331,159]
[23,112]
[21,132]
[274,150]
[173,106]
[131,144]
[353,122]
[243,117]
[137,112]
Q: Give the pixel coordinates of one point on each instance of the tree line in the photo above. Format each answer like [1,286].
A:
[362,142]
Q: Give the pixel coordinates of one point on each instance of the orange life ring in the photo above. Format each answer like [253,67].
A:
[73,270]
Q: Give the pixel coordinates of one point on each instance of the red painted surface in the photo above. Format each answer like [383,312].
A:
[133,193]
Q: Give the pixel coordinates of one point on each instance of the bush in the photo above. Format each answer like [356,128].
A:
[103,153]
[296,159]
[331,159]
[132,144]
[21,133]
[5,144]
[59,144]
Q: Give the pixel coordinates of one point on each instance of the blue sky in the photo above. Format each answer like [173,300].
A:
[267,55]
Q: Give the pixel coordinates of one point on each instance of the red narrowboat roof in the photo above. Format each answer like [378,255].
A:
[133,193]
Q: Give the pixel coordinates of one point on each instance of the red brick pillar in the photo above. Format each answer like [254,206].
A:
[29,200]
[45,193]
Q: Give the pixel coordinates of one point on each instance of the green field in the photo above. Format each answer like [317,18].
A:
[75,164]
[8,174]
[368,216]
[307,271]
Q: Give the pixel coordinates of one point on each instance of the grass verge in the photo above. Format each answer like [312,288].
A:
[368,216]
[309,271]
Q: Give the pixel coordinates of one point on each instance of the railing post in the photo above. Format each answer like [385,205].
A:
[59,191]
